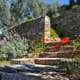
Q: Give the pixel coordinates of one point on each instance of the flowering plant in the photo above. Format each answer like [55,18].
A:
[65,40]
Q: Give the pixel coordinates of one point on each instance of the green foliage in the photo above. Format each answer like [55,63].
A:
[72,2]
[61,33]
[4,14]
[53,33]
[39,47]
[3,62]
[13,48]
[37,7]
[76,43]
[53,9]
[18,11]
[22,10]
[13,12]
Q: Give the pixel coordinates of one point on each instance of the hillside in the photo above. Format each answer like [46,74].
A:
[68,22]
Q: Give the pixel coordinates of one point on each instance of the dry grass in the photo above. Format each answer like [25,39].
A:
[4,62]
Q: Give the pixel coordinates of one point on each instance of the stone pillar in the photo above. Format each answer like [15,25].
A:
[47,28]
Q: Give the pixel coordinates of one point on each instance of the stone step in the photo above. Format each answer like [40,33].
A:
[63,47]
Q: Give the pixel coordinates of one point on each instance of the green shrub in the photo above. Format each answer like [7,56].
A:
[76,43]
[53,33]
[13,48]
[39,47]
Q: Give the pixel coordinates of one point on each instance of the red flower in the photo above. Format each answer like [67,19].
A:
[65,40]
[56,47]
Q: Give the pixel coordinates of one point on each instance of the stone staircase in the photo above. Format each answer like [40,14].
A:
[62,52]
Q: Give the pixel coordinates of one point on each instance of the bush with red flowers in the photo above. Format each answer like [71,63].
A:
[63,41]
[56,47]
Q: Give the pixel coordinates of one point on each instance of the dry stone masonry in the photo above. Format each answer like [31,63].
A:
[69,22]
[35,31]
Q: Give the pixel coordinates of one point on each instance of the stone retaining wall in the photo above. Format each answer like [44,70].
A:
[68,22]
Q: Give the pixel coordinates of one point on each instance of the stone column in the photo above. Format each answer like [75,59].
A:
[47,28]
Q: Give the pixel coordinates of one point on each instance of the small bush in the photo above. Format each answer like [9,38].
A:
[13,48]
[39,47]
[76,43]
[53,33]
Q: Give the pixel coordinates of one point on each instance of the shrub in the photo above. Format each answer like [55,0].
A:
[13,48]
[39,47]
[53,33]
[76,43]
